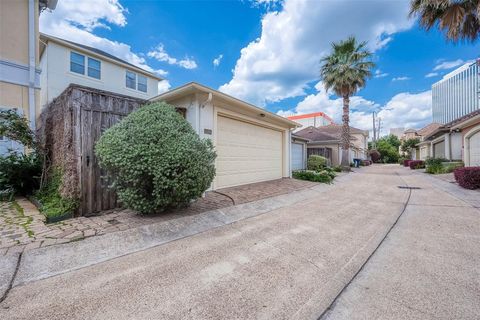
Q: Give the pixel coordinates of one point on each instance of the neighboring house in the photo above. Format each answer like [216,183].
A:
[316,119]
[64,62]
[252,144]
[456,140]
[398,132]
[19,59]
[325,141]
[456,94]
[422,151]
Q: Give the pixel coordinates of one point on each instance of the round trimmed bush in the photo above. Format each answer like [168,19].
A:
[315,162]
[155,159]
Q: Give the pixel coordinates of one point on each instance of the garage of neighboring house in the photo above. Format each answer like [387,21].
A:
[299,153]
[252,144]
[472,147]
[439,149]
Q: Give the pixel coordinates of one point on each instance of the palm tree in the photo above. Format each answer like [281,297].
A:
[345,71]
[458,19]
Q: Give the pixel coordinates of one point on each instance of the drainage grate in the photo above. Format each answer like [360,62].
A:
[411,188]
[113,221]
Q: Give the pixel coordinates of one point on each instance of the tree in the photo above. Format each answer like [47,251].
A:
[457,19]
[345,70]
[408,145]
[156,160]
[388,148]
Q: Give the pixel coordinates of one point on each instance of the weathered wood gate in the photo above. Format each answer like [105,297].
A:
[85,114]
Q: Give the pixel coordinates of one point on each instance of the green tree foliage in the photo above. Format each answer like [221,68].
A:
[457,19]
[388,149]
[408,145]
[16,128]
[156,160]
[316,162]
[346,70]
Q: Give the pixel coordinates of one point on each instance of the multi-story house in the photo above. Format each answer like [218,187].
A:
[64,62]
[316,119]
[19,60]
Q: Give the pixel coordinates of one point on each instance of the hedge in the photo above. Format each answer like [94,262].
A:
[156,159]
[468,177]
[323,176]
[416,164]
[316,162]
[406,162]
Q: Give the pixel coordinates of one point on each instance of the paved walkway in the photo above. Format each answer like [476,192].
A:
[22,226]
[291,262]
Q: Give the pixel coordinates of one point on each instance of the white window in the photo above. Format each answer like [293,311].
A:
[142,83]
[94,68]
[77,63]
[131,80]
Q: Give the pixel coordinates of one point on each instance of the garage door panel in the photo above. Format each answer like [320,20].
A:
[247,153]
[298,162]
[475,150]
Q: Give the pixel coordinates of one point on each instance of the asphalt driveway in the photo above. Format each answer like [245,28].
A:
[293,262]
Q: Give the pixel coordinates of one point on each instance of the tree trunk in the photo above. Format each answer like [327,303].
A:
[345,139]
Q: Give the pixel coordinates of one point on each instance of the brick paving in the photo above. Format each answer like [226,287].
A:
[23,227]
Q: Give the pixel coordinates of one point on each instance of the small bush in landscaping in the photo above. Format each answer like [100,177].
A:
[375,156]
[156,160]
[435,165]
[416,164]
[468,177]
[20,173]
[52,204]
[316,163]
[406,162]
[337,169]
[311,175]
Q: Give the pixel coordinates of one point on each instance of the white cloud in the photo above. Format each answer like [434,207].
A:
[216,62]
[163,86]
[286,56]
[380,74]
[74,20]
[431,74]
[446,65]
[403,78]
[403,110]
[161,54]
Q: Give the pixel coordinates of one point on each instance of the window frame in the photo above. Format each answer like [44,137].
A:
[138,83]
[72,63]
[99,68]
[134,80]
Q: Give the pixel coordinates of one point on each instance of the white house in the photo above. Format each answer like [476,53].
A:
[252,144]
[64,62]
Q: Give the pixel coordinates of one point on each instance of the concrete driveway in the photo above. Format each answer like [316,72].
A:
[313,258]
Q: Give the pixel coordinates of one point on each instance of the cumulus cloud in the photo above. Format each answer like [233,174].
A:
[446,65]
[216,62]
[431,74]
[163,86]
[75,20]
[161,54]
[403,78]
[403,110]
[380,74]
[286,56]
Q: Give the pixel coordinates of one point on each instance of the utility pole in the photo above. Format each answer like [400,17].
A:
[374,139]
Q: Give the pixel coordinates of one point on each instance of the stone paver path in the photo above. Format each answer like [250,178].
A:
[22,226]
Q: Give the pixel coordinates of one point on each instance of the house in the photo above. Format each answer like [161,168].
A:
[316,119]
[19,60]
[325,141]
[298,152]
[422,150]
[458,140]
[65,62]
[252,144]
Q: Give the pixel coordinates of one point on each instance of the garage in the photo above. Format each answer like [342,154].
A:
[439,149]
[247,153]
[298,156]
[474,152]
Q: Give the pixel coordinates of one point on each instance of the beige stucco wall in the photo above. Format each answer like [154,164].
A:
[335,151]
[361,143]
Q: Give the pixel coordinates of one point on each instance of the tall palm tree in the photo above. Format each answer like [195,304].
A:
[345,70]
[458,19]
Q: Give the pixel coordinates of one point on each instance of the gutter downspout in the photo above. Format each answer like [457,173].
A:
[200,107]
[31,64]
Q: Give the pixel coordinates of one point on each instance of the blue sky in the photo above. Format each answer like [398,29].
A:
[268,51]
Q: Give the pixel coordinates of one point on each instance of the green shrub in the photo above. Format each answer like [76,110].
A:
[337,169]
[316,163]
[435,165]
[311,175]
[52,204]
[20,173]
[156,160]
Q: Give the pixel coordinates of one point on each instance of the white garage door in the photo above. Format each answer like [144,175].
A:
[475,150]
[246,153]
[439,150]
[298,156]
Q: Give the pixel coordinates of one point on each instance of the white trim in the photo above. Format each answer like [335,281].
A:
[19,74]
[466,143]
[32,110]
